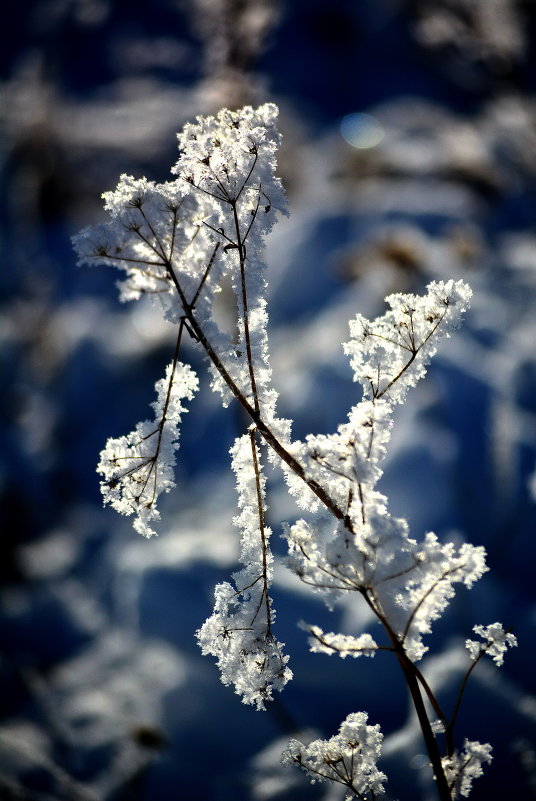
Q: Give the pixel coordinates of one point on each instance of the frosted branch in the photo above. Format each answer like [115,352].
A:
[344,645]
[390,354]
[463,768]
[349,758]
[138,467]
[239,632]
[496,642]
[176,242]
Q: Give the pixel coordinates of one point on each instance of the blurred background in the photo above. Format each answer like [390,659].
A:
[409,155]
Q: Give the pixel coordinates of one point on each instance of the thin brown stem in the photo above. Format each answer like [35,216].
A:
[256,155]
[220,232]
[262,427]
[205,275]
[174,213]
[452,721]
[151,229]
[206,192]
[410,361]
[220,184]
[170,387]
[115,257]
[430,695]
[412,683]
[254,213]
[392,341]
[262,531]
[245,310]
[421,600]
[426,728]
[399,375]
[152,461]
[156,251]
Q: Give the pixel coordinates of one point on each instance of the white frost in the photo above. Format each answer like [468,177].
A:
[496,642]
[349,758]
[138,467]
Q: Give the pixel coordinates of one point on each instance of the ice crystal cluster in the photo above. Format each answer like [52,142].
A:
[461,769]
[239,633]
[349,758]
[366,550]
[496,642]
[138,467]
[175,242]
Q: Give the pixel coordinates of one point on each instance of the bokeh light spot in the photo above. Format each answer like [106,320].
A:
[362,130]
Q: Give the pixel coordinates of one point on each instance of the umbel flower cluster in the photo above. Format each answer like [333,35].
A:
[175,242]
[349,758]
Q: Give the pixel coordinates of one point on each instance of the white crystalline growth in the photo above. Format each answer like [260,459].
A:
[239,632]
[496,642]
[175,241]
[349,758]
[389,355]
[344,645]
[138,467]
[463,768]
[227,164]
[367,550]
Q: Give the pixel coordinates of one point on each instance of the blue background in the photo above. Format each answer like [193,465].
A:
[105,694]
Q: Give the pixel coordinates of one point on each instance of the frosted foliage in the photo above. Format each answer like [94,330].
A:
[349,758]
[409,583]
[353,455]
[149,238]
[239,632]
[231,155]
[496,642]
[337,462]
[175,241]
[390,354]
[462,769]
[138,467]
[342,644]
[229,162]
[412,601]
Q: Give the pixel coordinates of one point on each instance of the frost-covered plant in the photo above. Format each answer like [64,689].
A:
[461,769]
[349,758]
[239,633]
[498,641]
[138,467]
[175,242]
